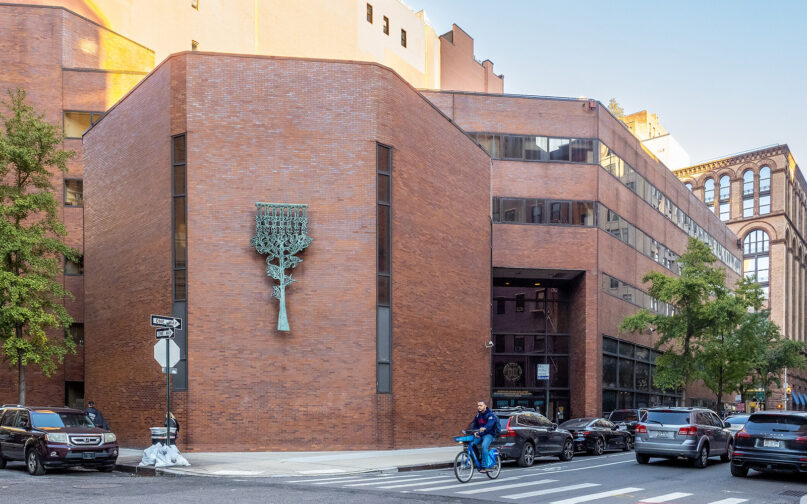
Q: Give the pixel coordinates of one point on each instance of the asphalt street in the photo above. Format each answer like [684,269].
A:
[610,479]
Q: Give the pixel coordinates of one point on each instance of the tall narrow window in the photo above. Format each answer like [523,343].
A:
[385,26]
[764,190]
[688,186]
[179,228]
[725,196]
[195,4]
[194,45]
[403,38]
[369,13]
[756,258]
[384,270]
[709,194]
[748,193]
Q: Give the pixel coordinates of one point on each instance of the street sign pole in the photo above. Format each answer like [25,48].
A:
[168,399]
[171,324]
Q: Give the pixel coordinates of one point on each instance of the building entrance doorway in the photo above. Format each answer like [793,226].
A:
[74,394]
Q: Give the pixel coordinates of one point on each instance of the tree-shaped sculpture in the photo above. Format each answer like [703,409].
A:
[281,231]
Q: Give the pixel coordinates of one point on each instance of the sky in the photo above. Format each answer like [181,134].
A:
[723,76]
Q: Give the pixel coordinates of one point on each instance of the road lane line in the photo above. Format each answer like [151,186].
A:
[596,496]
[506,487]
[732,500]
[551,490]
[465,485]
[665,498]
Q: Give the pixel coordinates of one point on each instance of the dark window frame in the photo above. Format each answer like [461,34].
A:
[385,25]
[80,267]
[64,191]
[384,348]
[369,13]
[179,307]
[79,340]
[93,120]
[403,37]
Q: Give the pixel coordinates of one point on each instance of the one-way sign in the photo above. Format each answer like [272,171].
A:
[163,333]
[161,321]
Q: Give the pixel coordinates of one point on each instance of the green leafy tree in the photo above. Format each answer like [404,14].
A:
[771,353]
[31,241]
[682,332]
[615,108]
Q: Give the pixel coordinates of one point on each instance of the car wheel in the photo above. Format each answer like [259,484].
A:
[642,458]
[107,468]
[599,448]
[702,458]
[568,451]
[527,455]
[628,444]
[33,463]
[727,456]
[739,471]
[2,462]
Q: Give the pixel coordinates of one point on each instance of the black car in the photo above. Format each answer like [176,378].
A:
[773,441]
[596,435]
[48,437]
[628,418]
[526,435]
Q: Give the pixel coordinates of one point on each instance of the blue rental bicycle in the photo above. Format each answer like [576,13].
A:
[468,460]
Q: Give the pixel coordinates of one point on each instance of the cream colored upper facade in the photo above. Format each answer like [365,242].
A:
[327,29]
[646,127]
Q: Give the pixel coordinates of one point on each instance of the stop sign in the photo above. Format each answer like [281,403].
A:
[160,354]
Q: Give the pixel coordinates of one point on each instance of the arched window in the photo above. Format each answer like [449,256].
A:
[709,194]
[764,190]
[756,258]
[688,186]
[725,196]
[748,193]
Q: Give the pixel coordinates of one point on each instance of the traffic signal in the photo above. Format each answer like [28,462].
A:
[789,390]
[778,406]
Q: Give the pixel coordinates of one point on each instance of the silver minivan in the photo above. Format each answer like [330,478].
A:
[693,433]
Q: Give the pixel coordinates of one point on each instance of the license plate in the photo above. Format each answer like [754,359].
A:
[770,443]
[660,434]
[88,455]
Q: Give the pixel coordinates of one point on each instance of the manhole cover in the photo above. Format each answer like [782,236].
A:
[793,493]
[96,486]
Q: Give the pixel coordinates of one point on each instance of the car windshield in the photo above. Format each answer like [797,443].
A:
[624,416]
[42,419]
[576,423]
[776,423]
[668,417]
[737,420]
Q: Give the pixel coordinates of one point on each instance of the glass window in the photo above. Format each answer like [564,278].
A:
[748,207]
[688,186]
[73,192]
[180,285]
[179,179]
[765,204]
[725,188]
[491,144]
[76,123]
[610,345]
[369,13]
[60,420]
[77,333]
[764,179]
[535,148]
[748,183]
[709,191]
[559,212]
[625,373]
[403,38]
[180,233]
[179,148]
[8,418]
[583,213]
[513,147]
[383,188]
[582,150]
[725,211]
[512,210]
[668,417]
[383,239]
[74,268]
[536,211]
[559,149]
[383,290]
[385,26]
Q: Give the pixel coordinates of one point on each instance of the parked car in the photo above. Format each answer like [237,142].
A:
[596,435]
[735,423]
[694,433]
[526,435]
[48,437]
[773,441]
[627,419]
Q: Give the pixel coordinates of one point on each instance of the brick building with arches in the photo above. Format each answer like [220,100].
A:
[760,195]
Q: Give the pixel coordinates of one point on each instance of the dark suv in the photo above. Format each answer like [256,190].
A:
[773,441]
[526,435]
[48,437]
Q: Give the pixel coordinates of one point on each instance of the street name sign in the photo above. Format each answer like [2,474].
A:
[542,372]
[162,321]
[172,353]
[165,332]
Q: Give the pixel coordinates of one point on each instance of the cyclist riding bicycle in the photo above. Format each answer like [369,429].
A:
[487,425]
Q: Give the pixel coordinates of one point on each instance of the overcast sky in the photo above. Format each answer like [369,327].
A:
[723,76]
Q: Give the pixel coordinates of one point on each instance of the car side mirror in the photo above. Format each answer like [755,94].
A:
[553,426]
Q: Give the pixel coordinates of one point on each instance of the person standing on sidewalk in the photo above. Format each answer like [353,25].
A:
[488,425]
[97,418]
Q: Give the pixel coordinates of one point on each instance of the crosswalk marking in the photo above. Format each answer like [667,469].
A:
[732,500]
[664,498]
[374,479]
[506,487]
[465,485]
[379,481]
[551,490]
[601,495]
[420,483]
[308,480]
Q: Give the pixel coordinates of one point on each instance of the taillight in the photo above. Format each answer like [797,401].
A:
[692,430]
[585,433]
[801,439]
[641,429]
[745,435]
[508,432]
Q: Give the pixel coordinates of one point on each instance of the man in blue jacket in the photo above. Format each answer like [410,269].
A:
[488,425]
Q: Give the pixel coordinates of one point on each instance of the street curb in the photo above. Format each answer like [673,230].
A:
[135,469]
[423,467]
[138,470]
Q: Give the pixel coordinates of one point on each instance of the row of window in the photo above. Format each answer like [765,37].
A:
[634,295]
[724,193]
[384,24]
[537,148]
[617,167]
[583,213]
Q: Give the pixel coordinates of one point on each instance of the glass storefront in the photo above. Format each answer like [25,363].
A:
[530,354]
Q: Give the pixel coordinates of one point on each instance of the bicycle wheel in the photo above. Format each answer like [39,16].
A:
[494,471]
[463,467]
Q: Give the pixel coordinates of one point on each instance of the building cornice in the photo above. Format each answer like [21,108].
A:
[744,157]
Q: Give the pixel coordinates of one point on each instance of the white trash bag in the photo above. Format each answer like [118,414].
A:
[159,455]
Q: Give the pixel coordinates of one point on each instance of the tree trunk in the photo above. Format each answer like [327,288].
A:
[720,389]
[21,374]
[687,338]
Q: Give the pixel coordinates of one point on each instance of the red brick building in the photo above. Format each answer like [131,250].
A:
[261,129]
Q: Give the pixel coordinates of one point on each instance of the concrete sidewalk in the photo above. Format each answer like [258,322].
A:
[269,464]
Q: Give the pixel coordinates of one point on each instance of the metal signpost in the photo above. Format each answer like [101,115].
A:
[166,353]
[542,373]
